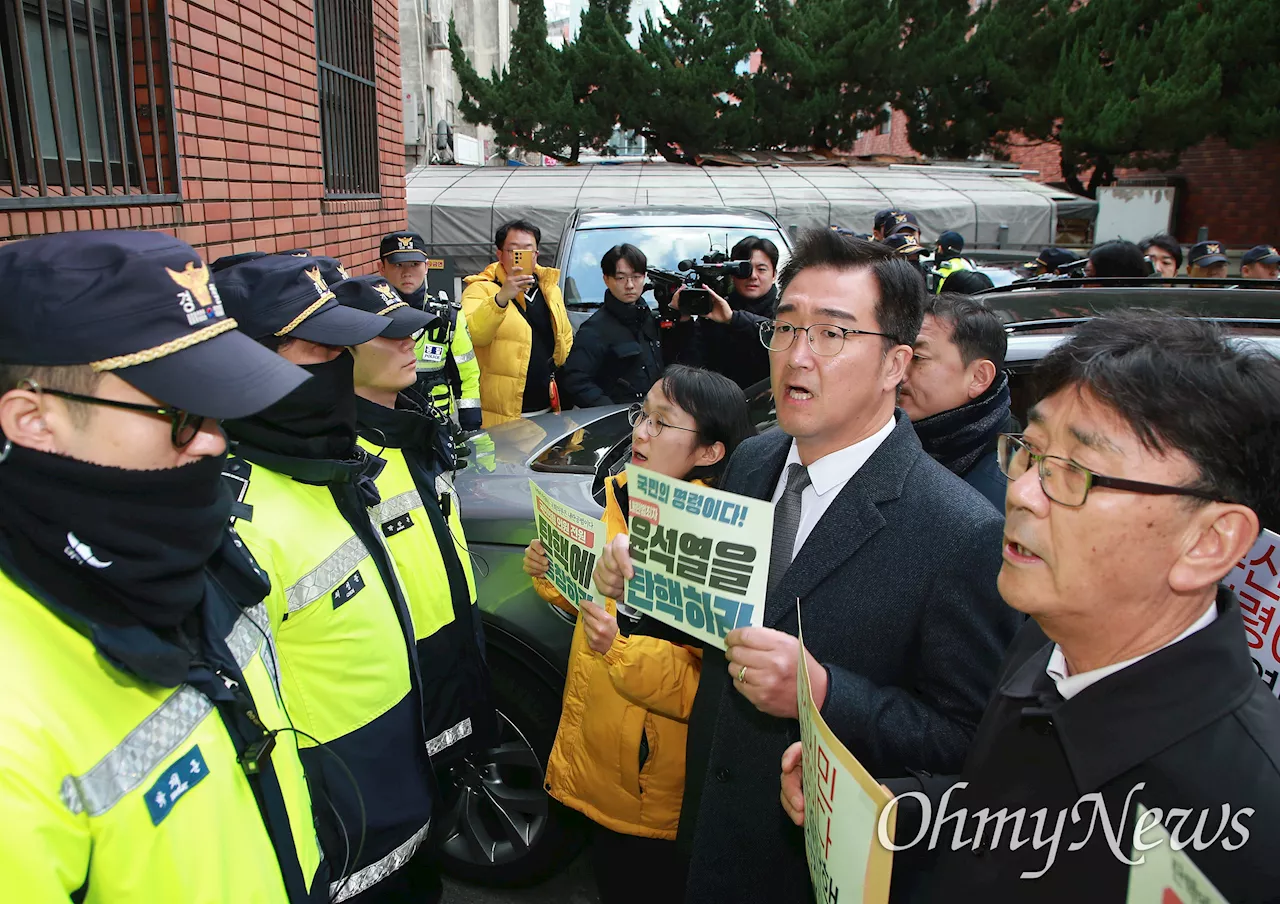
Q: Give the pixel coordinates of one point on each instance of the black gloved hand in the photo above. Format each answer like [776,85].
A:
[470,419]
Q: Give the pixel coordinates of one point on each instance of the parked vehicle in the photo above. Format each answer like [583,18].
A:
[500,827]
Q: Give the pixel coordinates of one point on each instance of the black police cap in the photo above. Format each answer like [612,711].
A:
[288,297]
[140,305]
[227,261]
[1261,254]
[1203,254]
[402,247]
[375,295]
[905,243]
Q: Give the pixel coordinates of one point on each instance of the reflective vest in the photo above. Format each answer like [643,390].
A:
[118,790]
[346,673]
[949,266]
[431,555]
[434,350]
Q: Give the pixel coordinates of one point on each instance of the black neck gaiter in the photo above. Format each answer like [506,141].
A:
[762,306]
[959,437]
[417,298]
[317,420]
[116,545]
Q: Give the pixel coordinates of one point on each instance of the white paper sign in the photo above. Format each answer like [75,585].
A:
[1165,875]
[842,805]
[573,542]
[701,555]
[1257,585]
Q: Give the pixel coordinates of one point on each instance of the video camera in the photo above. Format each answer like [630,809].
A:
[715,271]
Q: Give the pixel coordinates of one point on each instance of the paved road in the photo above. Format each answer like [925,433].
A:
[572,886]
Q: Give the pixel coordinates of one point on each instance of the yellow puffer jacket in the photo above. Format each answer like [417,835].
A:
[642,685]
[503,339]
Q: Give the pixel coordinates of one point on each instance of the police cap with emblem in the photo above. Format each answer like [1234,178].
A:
[142,306]
[905,243]
[289,298]
[1204,254]
[376,296]
[1052,259]
[903,221]
[403,248]
[1261,254]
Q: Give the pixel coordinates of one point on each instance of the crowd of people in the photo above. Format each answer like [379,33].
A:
[233,569]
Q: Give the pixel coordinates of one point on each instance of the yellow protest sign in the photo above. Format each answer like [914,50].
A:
[1166,875]
[842,805]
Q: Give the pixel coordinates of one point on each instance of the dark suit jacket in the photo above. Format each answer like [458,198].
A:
[1191,724]
[898,583]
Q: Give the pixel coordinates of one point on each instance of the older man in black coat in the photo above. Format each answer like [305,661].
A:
[893,559]
[1139,484]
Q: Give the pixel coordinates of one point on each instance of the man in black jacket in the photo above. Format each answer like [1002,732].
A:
[617,353]
[957,393]
[1133,684]
[727,340]
[892,557]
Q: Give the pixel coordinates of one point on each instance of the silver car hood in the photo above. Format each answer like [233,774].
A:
[493,489]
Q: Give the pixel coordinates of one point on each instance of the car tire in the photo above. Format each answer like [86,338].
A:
[499,827]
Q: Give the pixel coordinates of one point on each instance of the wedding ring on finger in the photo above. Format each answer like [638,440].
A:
[742,675]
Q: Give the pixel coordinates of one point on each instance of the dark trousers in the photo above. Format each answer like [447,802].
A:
[629,868]
[417,882]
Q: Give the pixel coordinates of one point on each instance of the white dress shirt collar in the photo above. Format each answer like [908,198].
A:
[1070,685]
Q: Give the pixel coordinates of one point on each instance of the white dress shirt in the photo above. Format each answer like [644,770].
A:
[827,477]
[1070,685]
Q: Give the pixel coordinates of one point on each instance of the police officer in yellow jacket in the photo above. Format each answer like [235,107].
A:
[339,612]
[444,350]
[420,517]
[144,754]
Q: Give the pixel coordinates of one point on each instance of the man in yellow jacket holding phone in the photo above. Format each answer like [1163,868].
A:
[519,327]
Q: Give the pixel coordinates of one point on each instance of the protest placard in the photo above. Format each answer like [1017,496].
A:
[1257,585]
[1166,875]
[701,555]
[573,542]
[842,806]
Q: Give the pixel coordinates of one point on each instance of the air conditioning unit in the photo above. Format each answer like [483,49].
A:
[437,35]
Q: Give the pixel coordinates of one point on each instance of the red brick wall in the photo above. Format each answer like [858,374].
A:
[248,136]
[1235,193]
[895,143]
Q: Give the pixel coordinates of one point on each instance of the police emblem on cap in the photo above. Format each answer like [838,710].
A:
[899,218]
[1212,248]
[300,254]
[385,290]
[406,242]
[342,271]
[321,285]
[199,297]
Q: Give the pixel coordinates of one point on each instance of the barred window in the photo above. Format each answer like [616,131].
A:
[85,115]
[348,98]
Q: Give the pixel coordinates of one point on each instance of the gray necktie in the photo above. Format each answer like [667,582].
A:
[786,522]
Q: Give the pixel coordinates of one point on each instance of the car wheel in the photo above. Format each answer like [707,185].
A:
[498,826]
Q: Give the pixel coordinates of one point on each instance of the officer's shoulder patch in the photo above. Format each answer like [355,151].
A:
[236,473]
[174,783]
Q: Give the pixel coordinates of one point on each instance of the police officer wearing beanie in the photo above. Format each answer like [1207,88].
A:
[421,520]
[144,754]
[340,614]
[445,353]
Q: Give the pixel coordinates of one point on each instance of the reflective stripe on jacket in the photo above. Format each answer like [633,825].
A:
[117,790]
[346,672]
[643,687]
[431,556]
[503,339]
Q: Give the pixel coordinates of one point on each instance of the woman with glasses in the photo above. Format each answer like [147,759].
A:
[619,750]
[617,353]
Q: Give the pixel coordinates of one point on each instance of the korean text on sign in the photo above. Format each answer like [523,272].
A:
[573,543]
[842,806]
[1256,582]
[701,556]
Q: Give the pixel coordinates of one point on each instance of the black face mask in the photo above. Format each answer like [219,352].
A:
[316,420]
[116,545]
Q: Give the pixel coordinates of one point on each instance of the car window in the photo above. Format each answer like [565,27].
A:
[664,246]
[582,451]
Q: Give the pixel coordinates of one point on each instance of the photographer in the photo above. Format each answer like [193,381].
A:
[617,355]
[727,339]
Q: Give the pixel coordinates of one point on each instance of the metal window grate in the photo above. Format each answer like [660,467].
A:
[348,98]
[85,116]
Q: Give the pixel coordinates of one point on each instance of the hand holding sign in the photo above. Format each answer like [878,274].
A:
[536,563]
[600,626]
[792,794]
[763,666]
[614,568]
